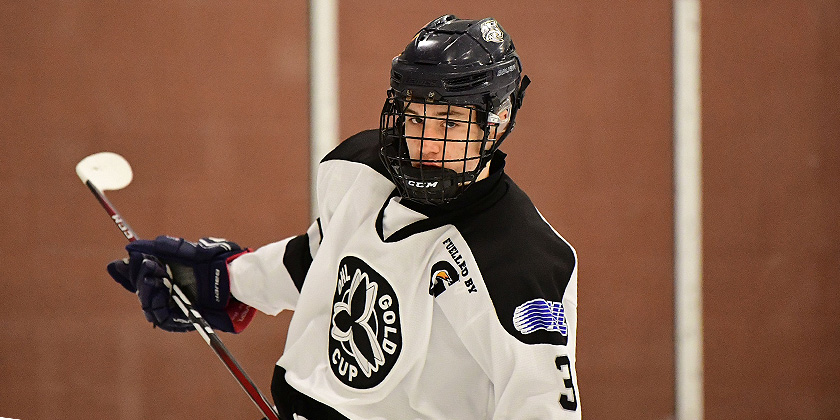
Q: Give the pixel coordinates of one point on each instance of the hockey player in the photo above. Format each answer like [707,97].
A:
[429,287]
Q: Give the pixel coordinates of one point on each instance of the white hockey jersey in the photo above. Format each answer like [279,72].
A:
[404,311]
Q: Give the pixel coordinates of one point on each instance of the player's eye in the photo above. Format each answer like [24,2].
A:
[415,120]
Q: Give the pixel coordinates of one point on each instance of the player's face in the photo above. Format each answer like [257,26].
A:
[443,136]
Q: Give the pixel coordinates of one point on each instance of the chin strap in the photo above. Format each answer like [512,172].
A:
[521,94]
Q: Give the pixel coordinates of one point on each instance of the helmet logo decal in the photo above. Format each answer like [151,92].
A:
[365,331]
[491,32]
[506,70]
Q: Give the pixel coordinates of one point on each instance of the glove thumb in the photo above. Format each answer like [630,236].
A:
[119,271]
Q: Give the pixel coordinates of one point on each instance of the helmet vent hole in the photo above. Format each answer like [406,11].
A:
[463,83]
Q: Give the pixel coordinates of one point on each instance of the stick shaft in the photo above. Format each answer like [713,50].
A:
[112,211]
[201,325]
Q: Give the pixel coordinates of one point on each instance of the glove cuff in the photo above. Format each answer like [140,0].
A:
[215,293]
[240,314]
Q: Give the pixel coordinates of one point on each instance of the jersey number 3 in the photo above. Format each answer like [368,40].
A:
[567,396]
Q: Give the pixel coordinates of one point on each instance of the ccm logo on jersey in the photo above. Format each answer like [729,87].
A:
[540,314]
[365,332]
[461,263]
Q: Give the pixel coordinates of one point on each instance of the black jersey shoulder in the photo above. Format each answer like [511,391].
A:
[522,260]
[360,148]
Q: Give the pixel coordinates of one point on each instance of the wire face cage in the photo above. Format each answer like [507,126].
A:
[434,150]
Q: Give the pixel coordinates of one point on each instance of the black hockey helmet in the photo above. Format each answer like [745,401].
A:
[458,63]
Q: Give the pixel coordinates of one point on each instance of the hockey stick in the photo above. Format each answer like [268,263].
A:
[110,171]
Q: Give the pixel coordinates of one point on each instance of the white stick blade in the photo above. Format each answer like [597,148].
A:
[106,170]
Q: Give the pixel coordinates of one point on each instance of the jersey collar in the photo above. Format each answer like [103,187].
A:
[475,199]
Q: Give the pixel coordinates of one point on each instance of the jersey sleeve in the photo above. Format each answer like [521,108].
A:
[534,380]
[520,321]
[538,380]
[270,278]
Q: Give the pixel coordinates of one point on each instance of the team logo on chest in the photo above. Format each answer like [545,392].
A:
[365,333]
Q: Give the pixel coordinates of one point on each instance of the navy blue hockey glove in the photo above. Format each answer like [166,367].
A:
[199,269]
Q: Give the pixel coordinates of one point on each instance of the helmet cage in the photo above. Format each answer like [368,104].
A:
[463,151]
